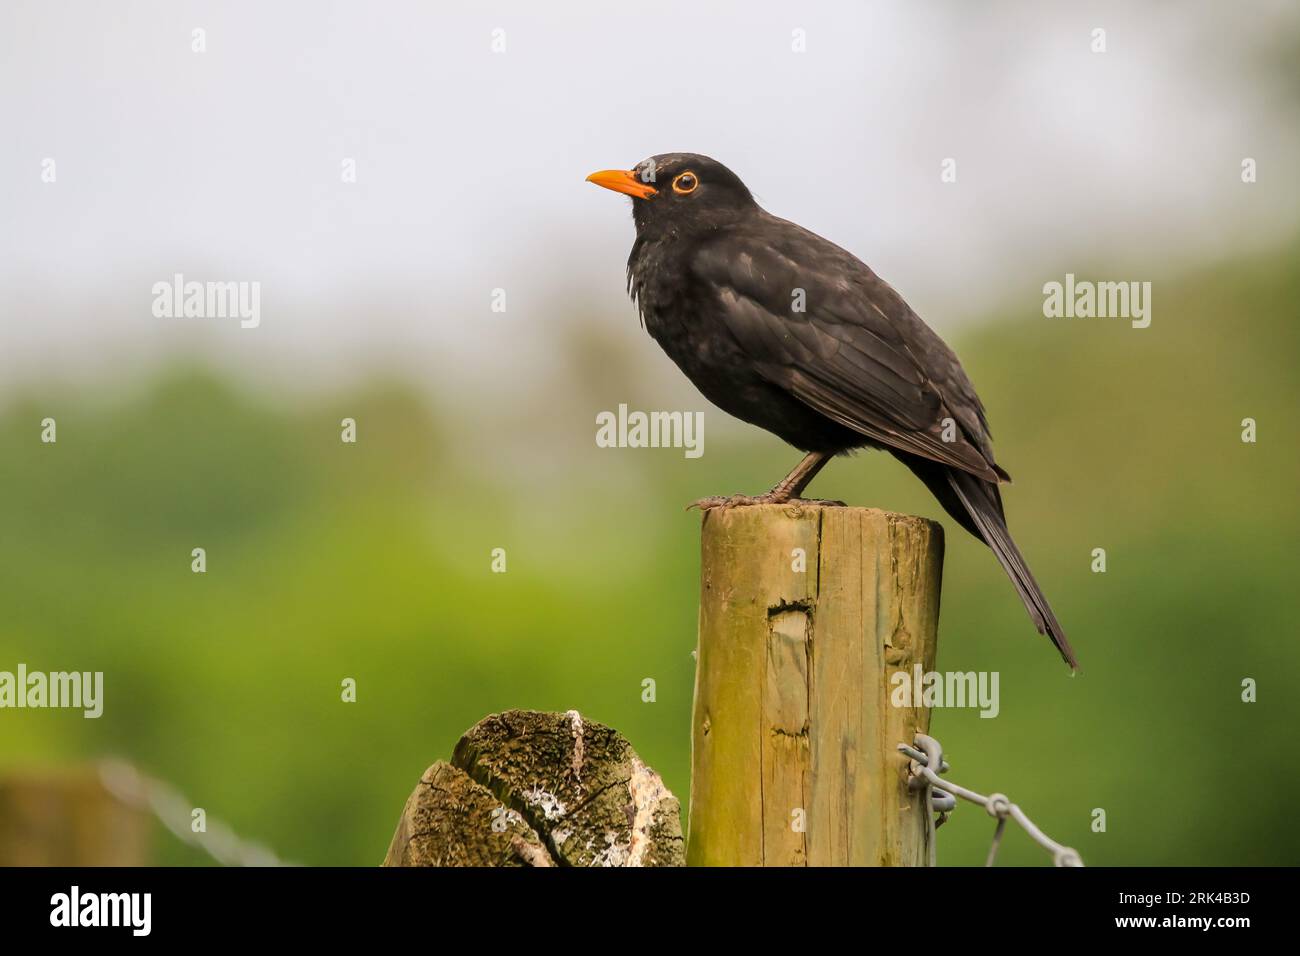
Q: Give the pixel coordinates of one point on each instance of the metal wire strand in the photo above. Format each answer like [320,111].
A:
[927,753]
[170,807]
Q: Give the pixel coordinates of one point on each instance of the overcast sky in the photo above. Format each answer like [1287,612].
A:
[225,164]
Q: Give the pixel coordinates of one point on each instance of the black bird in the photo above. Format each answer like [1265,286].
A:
[789,332]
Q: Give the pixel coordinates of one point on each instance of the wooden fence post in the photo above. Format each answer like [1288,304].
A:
[68,818]
[526,788]
[806,612]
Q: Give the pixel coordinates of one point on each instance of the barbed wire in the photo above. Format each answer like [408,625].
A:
[169,806]
[174,811]
[927,764]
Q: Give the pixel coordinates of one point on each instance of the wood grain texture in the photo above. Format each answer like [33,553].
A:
[793,755]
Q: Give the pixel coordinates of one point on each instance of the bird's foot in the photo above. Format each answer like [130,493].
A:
[735,501]
[770,498]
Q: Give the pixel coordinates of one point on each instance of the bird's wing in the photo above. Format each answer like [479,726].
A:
[856,353]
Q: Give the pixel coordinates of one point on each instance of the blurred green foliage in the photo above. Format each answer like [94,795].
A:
[371,561]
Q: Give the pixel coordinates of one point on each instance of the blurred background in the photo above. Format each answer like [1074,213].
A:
[476,427]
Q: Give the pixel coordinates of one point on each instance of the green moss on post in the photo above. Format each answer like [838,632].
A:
[526,788]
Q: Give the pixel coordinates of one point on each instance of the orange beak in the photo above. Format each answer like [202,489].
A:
[623,181]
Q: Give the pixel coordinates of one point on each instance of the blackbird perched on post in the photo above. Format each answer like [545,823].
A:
[787,331]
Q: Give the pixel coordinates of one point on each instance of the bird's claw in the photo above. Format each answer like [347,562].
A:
[739,501]
[733,501]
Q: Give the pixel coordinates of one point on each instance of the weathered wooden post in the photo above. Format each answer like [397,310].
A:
[806,612]
[525,788]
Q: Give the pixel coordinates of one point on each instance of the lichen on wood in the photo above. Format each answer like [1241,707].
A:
[526,788]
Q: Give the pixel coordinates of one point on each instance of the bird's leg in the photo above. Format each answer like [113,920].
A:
[787,489]
[793,484]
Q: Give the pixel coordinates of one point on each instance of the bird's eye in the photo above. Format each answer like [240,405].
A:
[685,183]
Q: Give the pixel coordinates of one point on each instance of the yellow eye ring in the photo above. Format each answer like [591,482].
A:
[686,182]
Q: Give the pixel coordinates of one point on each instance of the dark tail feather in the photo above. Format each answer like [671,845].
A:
[977,505]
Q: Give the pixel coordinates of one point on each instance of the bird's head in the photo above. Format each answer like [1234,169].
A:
[679,191]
